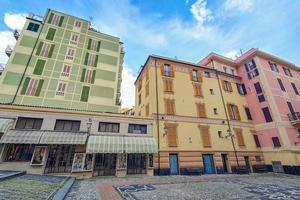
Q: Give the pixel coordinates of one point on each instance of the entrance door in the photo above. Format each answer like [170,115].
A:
[105,165]
[173,164]
[208,161]
[247,161]
[224,160]
[136,163]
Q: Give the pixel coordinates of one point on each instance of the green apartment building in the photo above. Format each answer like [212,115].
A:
[60,61]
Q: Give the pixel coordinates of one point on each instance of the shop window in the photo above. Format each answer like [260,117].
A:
[137,128]
[136,163]
[151,165]
[29,123]
[20,152]
[67,125]
[109,127]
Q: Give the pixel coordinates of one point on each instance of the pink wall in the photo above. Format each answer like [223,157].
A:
[265,137]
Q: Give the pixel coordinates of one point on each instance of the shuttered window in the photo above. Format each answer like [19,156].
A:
[201,110]
[39,67]
[94,45]
[170,106]
[167,70]
[172,135]
[45,49]
[85,93]
[239,136]
[32,87]
[233,112]
[256,140]
[168,85]
[196,75]
[205,136]
[50,34]
[226,86]
[55,19]
[88,76]
[197,90]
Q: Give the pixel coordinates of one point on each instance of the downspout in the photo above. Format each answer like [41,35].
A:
[27,64]
[227,118]
[157,116]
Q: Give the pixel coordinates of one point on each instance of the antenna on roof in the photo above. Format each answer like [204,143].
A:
[241,51]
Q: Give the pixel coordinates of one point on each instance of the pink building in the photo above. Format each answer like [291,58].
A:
[273,96]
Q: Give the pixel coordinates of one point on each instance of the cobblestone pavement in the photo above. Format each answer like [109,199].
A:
[29,187]
[255,186]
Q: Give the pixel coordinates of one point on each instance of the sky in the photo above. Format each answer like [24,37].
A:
[185,29]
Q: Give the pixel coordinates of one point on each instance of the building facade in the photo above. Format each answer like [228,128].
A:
[60,61]
[202,123]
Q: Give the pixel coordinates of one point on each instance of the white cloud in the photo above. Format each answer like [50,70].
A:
[200,12]
[241,5]
[6,38]
[15,20]
[233,54]
[127,88]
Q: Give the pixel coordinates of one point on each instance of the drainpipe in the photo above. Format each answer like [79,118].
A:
[157,116]
[227,118]
[27,64]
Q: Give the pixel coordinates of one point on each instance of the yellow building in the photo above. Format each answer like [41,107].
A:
[200,118]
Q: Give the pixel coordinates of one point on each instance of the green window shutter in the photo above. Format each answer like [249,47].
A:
[86,58]
[85,93]
[50,34]
[82,74]
[61,20]
[39,67]
[50,18]
[38,51]
[51,51]
[39,88]
[90,43]
[25,85]
[93,76]
[98,46]
[96,61]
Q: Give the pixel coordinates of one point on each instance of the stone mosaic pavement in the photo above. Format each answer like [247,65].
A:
[254,186]
[29,187]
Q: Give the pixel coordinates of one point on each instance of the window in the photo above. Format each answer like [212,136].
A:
[50,34]
[91,60]
[85,93]
[267,114]
[258,158]
[241,89]
[298,131]
[281,84]
[147,110]
[211,91]
[251,69]
[168,85]
[77,23]
[207,74]
[19,152]
[295,88]
[29,123]
[287,71]
[232,72]
[109,127]
[39,67]
[171,134]
[89,76]
[70,53]
[239,136]
[226,86]
[247,111]
[215,111]
[195,75]
[32,87]
[55,19]
[233,112]
[33,27]
[205,136]
[225,69]
[67,125]
[66,70]
[261,98]
[94,45]
[290,106]
[137,128]
[197,90]
[74,39]
[256,140]
[167,70]
[170,106]
[276,142]
[61,87]
[45,49]
[201,110]
[257,88]
[273,66]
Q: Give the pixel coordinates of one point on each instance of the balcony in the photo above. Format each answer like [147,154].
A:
[8,50]
[17,34]
[295,118]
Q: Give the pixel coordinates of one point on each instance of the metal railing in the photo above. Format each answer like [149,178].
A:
[17,34]
[294,116]
[9,50]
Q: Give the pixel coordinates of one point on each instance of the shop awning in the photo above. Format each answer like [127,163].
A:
[105,144]
[6,124]
[140,145]
[120,144]
[55,137]
[21,137]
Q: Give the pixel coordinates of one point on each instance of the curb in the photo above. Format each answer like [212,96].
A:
[63,191]
[12,175]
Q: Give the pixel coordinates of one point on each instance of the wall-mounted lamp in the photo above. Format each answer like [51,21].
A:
[229,134]
[165,131]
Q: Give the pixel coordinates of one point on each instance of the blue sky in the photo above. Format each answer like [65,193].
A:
[187,29]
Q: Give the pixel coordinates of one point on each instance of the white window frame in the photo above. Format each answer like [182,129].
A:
[61,88]
[68,56]
[66,73]
[55,20]
[72,41]
[91,59]
[88,77]
[32,87]
[45,49]
[77,22]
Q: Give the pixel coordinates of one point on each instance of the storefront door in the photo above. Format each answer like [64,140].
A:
[208,161]
[136,163]
[60,159]
[224,161]
[105,165]
[247,162]
[173,164]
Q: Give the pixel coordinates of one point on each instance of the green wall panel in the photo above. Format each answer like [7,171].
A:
[108,59]
[102,108]
[20,59]
[53,84]
[100,91]
[56,103]
[4,98]
[12,78]
[27,41]
[105,75]
[109,46]
[33,101]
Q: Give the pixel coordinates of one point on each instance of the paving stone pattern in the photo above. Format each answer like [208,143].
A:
[29,187]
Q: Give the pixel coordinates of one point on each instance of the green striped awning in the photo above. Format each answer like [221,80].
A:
[6,124]
[140,145]
[55,137]
[21,137]
[105,144]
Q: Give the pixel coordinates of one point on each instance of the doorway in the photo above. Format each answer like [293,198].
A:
[173,164]
[208,162]
[105,164]
[136,163]
[225,161]
[247,162]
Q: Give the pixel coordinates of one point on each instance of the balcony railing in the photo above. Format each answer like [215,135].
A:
[17,34]
[294,116]
[8,50]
